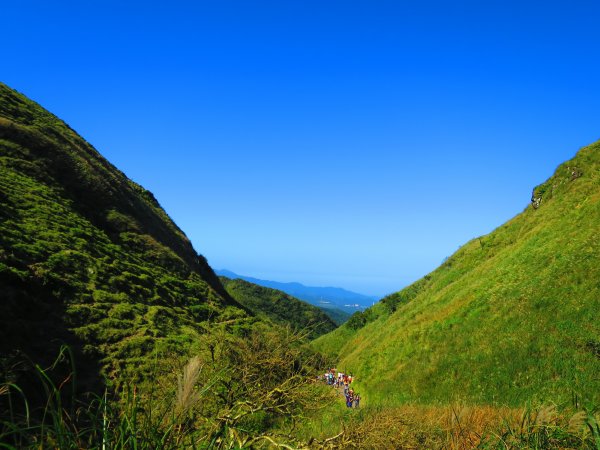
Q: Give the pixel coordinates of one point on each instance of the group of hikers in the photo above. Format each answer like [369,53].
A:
[340,380]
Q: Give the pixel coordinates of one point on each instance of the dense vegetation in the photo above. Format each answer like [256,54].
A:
[89,258]
[93,270]
[279,307]
[511,317]
[168,358]
[337,315]
[233,393]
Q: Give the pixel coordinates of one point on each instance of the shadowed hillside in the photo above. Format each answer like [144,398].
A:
[512,316]
[88,257]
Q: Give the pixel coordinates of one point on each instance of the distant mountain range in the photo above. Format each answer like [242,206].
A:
[281,308]
[323,297]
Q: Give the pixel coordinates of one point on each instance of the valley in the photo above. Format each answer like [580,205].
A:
[115,332]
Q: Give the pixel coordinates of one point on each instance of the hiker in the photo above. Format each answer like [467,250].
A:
[349,400]
[338,380]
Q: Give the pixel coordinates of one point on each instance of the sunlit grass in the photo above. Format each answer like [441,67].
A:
[511,317]
[457,426]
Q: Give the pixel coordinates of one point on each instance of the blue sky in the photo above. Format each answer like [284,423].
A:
[353,144]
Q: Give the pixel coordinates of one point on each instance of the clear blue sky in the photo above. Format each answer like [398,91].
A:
[344,143]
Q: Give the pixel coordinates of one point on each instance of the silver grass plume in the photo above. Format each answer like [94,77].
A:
[187,395]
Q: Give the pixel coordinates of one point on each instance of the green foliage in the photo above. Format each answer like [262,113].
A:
[234,393]
[511,317]
[89,258]
[337,315]
[359,319]
[280,307]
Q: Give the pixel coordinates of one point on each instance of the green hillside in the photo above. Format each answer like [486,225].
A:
[511,317]
[89,258]
[337,315]
[280,307]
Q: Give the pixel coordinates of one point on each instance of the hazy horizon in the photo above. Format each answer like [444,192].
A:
[281,278]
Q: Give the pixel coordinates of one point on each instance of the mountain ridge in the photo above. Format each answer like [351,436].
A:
[315,295]
[280,307]
[88,257]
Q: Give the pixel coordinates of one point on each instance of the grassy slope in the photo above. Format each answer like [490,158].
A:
[88,257]
[279,307]
[510,317]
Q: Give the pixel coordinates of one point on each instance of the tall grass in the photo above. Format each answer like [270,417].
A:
[235,393]
[456,426]
[289,413]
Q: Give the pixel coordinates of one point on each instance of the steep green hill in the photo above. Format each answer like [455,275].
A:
[279,307]
[88,257]
[512,316]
